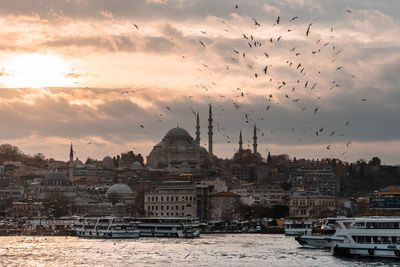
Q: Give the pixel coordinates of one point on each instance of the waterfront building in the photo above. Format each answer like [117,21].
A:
[27,209]
[174,199]
[224,206]
[306,204]
[267,195]
[386,202]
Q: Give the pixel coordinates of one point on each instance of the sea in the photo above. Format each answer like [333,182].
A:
[208,250]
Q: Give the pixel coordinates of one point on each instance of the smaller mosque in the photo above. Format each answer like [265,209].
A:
[180,151]
[246,156]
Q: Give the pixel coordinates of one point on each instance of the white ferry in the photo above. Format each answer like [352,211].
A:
[297,227]
[168,227]
[369,237]
[106,227]
[323,236]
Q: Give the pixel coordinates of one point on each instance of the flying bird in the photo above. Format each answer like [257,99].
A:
[328,147]
[349,11]
[168,108]
[338,68]
[277,20]
[256,23]
[293,19]
[202,43]
[136,26]
[308,29]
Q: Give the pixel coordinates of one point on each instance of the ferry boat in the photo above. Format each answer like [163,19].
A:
[297,227]
[106,227]
[169,227]
[322,236]
[369,237]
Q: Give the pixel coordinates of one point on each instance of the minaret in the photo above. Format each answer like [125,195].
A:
[71,162]
[255,140]
[210,133]
[240,142]
[197,129]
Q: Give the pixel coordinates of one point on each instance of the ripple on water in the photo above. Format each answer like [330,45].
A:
[218,250]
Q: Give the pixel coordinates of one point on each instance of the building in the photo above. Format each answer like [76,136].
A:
[267,195]
[386,202]
[224,206]
[307,205]
[316,179]
[56,185]
[177,199]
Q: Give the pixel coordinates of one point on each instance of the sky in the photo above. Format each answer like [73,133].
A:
[115,76]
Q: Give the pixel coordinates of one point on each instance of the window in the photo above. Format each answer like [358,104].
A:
[152,198]
[162,199]
[167,198]
[148,198]
[183,207]
[167,207]
[162,208]
[176,207]
[176,198]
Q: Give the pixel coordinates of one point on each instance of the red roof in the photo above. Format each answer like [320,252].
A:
[224,194]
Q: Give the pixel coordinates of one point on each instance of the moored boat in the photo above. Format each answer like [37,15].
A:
[369,237]
[322,236]
[106,227]
[168,227]
[297,227]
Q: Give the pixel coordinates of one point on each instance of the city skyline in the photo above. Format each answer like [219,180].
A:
[116,76]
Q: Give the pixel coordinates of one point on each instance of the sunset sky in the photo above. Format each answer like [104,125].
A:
[65,65]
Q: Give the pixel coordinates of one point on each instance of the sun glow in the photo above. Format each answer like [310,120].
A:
[35,70]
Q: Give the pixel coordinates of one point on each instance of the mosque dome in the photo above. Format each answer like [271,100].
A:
[121,189]
[137,165]
[57,178]
[177,132]
[108,162]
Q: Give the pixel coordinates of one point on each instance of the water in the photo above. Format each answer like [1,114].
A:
[208,250]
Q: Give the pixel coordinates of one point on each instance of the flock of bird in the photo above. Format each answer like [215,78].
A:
[253,56]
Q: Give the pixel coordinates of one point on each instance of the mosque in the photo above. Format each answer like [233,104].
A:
[180,151]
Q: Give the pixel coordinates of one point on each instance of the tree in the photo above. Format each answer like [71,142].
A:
[375,161]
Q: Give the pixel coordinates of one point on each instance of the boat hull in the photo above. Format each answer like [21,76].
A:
[366,250]
[325,242]
[108,234]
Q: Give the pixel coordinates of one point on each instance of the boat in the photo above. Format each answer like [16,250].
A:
[369,237]
[106,227]
[185,227]
[297,227]
[322,235]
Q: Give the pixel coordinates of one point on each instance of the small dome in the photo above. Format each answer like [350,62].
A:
[174,132]
[185,165]
[107,158]
[137,165]
[78,162]
[120,189]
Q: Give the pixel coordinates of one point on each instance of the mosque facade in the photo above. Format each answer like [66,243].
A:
[178,149]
